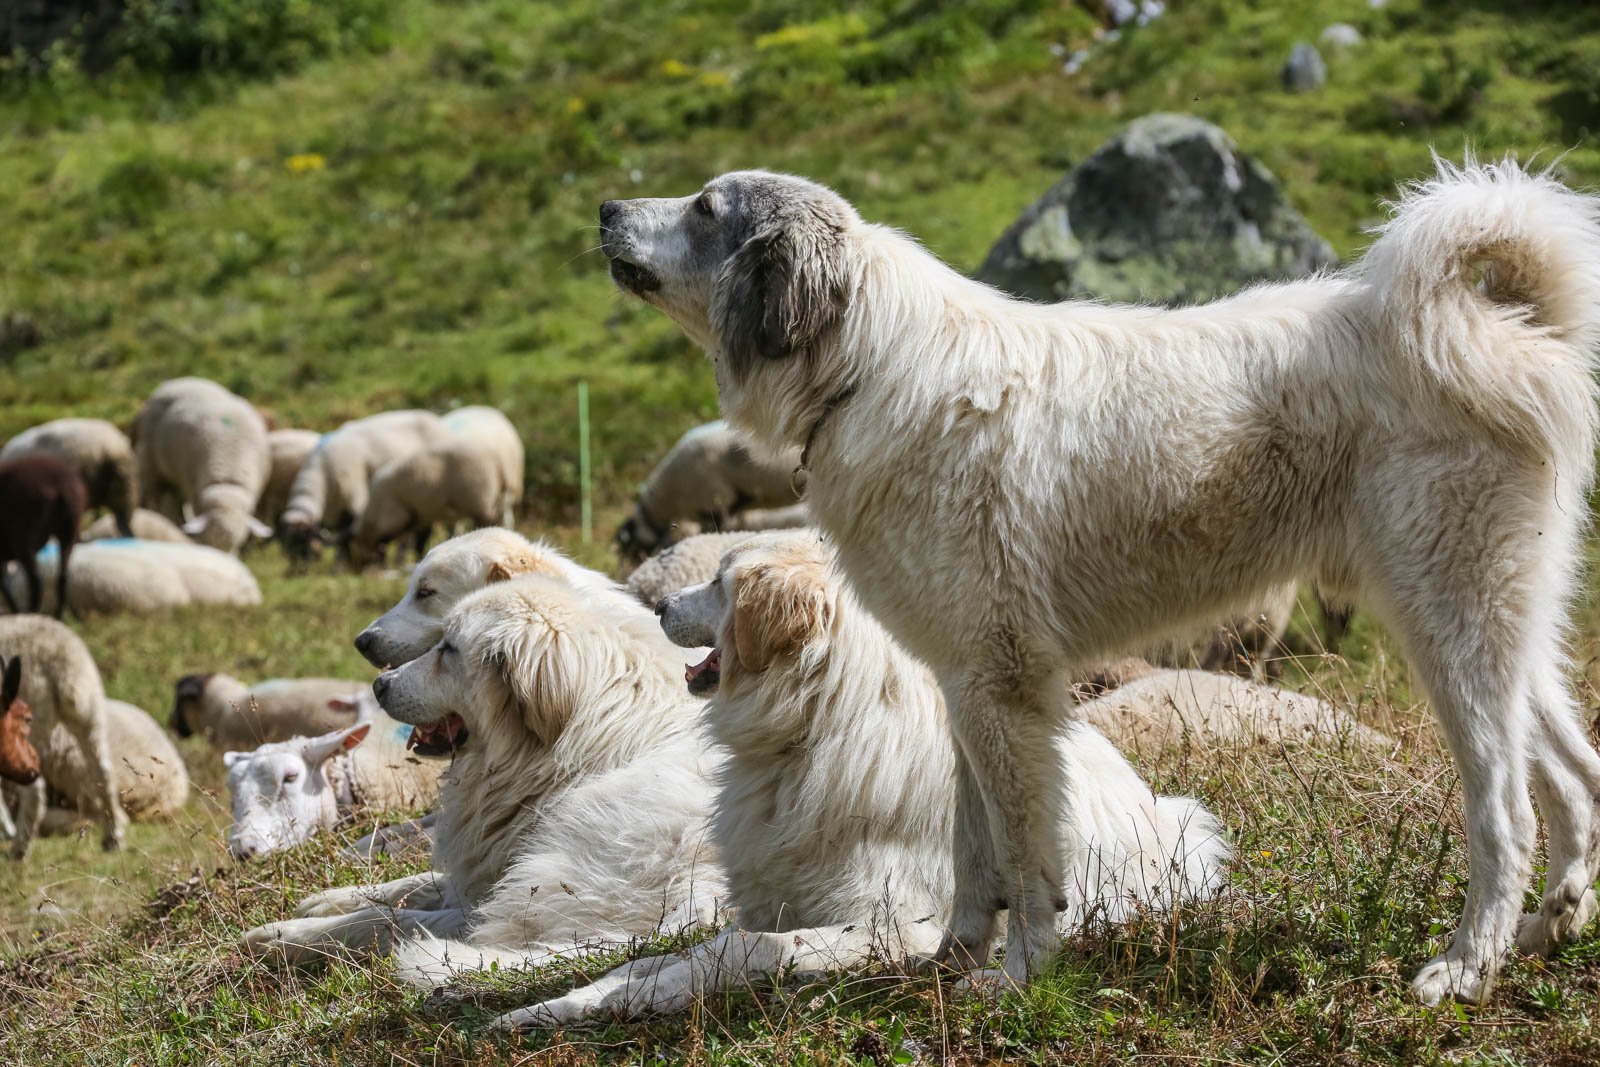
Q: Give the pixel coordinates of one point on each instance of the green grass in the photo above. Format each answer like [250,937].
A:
[407,218]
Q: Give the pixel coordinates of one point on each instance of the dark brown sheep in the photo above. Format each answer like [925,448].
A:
[40,497]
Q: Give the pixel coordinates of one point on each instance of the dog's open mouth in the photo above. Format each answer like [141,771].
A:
[633,277]
[704,677]
[438,738]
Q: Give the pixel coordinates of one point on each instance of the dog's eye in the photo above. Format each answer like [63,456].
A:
[447,649]
[424,593]
[702,206]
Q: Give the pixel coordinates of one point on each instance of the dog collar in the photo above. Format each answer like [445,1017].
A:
[796,483]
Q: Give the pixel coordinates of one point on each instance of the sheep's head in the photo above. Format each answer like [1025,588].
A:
[281,792]
[19,760]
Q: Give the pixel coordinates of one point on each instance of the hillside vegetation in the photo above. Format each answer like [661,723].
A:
[339,207]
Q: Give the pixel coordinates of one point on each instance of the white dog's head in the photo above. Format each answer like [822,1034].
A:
[773,606]
[756,268]
[454,569]
[517,661]
[281,793]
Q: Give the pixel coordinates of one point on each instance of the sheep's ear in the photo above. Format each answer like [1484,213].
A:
[343,704]
[783,289]
[230,758]
[502,570]
[775,612]
[258,528]
[317,750]
[11,684]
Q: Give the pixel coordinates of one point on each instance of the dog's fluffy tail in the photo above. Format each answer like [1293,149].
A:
[1488,279]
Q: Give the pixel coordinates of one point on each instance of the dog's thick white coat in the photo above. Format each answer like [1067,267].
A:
[573,815]
[1417,432]
[834,811]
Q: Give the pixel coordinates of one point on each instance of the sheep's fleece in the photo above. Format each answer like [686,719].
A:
[124,575]
[146,769]
[101,454]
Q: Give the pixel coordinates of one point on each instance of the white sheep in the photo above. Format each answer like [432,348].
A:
[330,490]
[202,447]
[101,454]
[139,577]
[233,715]
[492,432]
[61,684]
[147,526]
[147,773]
[688,562]
[705,480]
[287,451]
[283,792]
[438,485]
[1164,708]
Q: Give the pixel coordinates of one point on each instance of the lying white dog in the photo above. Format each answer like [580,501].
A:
[464,565]
[1417,433]
[834,812]
[574,812]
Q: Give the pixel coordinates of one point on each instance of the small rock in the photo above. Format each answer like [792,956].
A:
[1340,36]
[1305,71]
[1168,211]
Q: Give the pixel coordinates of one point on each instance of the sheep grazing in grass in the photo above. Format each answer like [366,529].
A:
[147,526]
[140,577]
[147,773]
[441,485]
[200,446]
[492,433]
[62,687]
[707,478]
[44,498]
[287,451]
[233,715]
[286,791]
[19,760]
[330,490]
[100,453]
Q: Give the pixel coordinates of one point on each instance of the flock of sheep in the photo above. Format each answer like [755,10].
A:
[201,475]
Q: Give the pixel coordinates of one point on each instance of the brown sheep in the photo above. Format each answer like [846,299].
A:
[43,498]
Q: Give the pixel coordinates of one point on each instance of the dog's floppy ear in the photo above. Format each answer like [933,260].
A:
[502,570]
[783,289]
[545,669]
[775,612]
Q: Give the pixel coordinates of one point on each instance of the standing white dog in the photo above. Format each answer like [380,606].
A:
[1085,477]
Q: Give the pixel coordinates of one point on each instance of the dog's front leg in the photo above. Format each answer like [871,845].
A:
[1010,782]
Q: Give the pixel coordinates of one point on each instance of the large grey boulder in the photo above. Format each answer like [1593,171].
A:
[1166,212]
[1305,70]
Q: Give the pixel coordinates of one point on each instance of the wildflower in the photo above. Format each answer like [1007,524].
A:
[575,105]
[305,162]
[676,68]
[714,79]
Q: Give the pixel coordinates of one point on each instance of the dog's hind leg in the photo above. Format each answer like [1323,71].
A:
[1566,782]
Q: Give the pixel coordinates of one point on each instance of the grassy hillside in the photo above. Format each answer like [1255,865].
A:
[415,226]
[399,209]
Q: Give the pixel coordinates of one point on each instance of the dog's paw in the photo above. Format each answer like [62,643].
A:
[550,1013]
[1556,921]
[1447,977]
[331,902]
[272,941]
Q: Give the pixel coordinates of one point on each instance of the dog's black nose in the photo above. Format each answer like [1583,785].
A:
[661,607]
[364,643]
[380,687]
[609,210]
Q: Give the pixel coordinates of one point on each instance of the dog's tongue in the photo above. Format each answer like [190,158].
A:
[441,734]
[712,662]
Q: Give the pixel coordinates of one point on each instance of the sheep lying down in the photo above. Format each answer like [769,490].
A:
[128,575]
[146,525]
[234,715]
[147,773]
[284,792]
